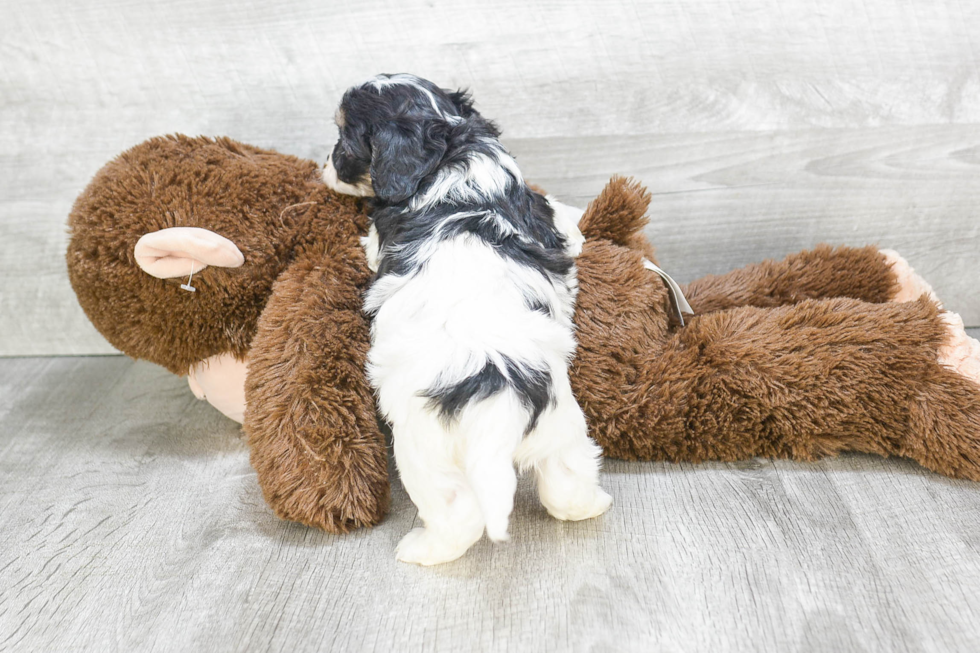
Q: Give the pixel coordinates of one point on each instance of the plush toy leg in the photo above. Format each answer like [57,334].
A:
[864,273]
[805,381]
[310,419]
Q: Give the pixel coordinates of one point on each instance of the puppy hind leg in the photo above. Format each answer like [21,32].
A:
[424,454]
[493,429]
[566,462]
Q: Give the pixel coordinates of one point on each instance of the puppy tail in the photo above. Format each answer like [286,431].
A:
[497,527]
[490,472]
[493,429]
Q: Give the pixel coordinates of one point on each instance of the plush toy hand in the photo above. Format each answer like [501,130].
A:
[221,381]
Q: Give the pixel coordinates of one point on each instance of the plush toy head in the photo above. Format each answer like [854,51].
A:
[275,317]
[228,213]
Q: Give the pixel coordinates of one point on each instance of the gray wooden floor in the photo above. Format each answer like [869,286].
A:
[130,520]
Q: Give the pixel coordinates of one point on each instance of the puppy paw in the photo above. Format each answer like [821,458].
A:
[910,285]
[421,546]
[591,505]
[961,353]
[497,529]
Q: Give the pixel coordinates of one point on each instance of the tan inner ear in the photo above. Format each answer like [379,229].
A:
[180,251]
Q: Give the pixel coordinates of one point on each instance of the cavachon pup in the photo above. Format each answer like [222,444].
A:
[472,306]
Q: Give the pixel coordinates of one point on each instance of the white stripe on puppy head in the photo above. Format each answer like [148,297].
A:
[381,81]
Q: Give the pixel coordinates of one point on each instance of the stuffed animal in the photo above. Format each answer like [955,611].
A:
[237,267]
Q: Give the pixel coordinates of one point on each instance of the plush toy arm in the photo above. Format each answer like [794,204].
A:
[310,419]
[806,381]
[859,273]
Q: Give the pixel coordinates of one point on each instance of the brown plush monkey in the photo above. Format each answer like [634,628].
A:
[206,255]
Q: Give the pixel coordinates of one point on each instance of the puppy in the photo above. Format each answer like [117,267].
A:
[472,306]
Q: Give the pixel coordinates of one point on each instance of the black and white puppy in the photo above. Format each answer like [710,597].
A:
[472,304]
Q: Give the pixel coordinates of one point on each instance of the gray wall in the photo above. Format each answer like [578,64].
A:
[762,126]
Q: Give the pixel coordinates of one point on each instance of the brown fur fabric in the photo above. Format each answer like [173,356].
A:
[858,273]
[799,381]
[310,416]
[619,216]
[799,358]
[236,190]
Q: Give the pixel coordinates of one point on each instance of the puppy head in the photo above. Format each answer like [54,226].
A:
[394,131]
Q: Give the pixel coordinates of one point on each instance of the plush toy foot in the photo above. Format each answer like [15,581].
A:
[961,353]
[422,546]
[911,285]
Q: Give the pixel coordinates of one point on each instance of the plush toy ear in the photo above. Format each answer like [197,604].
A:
[180,251]
[401,157]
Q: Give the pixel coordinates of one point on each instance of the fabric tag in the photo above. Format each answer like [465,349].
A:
[680,301]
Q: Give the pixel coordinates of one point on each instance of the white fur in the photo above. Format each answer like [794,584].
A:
[482,177]
[566,221]
[371,246]
[381,81]
[466,305]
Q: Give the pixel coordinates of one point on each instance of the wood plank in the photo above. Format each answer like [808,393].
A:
[854,99]
[131,520]
[543,68]
[723,200]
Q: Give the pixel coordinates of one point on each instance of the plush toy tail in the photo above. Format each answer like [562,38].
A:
[618,214]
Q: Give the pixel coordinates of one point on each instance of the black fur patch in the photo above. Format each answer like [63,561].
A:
[538,306]
[532,386]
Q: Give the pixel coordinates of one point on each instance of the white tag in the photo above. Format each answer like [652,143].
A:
[187,286]
[680,301]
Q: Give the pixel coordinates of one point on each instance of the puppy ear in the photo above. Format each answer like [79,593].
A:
[463,102]
[401,157]
[178,251]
